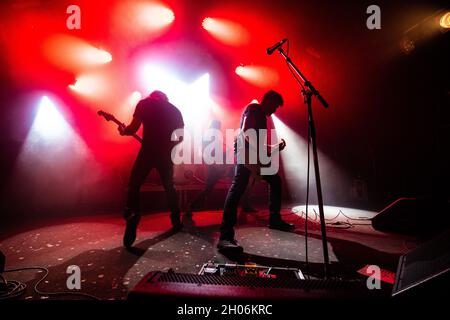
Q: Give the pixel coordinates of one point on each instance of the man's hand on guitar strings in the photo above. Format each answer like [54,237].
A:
[282,144]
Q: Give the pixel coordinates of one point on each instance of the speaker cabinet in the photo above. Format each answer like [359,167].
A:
[425,271]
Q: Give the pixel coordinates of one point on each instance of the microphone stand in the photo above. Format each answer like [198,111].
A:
[308,90]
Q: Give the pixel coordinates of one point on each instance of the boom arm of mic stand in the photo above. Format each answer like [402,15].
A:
[307,84]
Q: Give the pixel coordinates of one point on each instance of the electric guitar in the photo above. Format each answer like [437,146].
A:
[255,168]
[110,117]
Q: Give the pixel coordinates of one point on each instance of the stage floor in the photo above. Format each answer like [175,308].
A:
[108,271]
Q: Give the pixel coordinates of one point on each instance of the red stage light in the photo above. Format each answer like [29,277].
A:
[260,76]
[240,70]
[101,56]
[208,24]
[71,53]
[226,31]
[154,16]
[136,21]
[91,85]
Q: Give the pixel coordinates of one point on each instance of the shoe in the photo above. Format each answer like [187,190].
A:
[279,224]
[227,245]
[130,231]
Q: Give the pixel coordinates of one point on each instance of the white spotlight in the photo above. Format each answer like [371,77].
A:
[49,123]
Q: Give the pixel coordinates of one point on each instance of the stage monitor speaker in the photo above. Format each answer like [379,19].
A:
[173,286]
[421,217]
[425,271]
[398,217]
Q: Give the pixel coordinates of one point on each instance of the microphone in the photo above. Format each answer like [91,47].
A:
[275,46]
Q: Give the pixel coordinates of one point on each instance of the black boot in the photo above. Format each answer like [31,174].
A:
[132,218]
[275,222]
[229,246]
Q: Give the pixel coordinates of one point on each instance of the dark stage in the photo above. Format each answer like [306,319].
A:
[109,271]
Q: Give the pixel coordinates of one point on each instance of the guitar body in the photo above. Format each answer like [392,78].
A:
[255,168]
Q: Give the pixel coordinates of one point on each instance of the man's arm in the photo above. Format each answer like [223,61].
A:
[132,128]
[278,146]
[250,123]
[179,129]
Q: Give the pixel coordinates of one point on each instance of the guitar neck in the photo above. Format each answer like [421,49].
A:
[137,137]
[120,124]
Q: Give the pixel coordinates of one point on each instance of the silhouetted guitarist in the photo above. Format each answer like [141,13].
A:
[159,118]
[254,117]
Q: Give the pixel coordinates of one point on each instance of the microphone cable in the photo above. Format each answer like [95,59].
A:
[308,167]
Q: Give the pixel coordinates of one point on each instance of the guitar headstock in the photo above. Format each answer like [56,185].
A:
[106,115]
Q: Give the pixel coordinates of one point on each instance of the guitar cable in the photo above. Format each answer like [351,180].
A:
[12,289]
[307,201]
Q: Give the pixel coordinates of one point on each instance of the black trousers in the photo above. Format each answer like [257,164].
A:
[145,162]
[237,189]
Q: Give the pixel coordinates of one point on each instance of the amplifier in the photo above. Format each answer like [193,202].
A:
[213,287]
